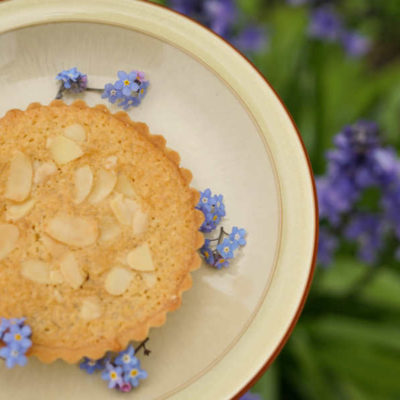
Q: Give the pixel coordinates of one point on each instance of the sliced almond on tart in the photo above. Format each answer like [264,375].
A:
[64,150]
[83,181]
[14,212]
[36,270]
[140,258]
[118,281]
[103,185]
[19,181]
[73,231]
[9,235]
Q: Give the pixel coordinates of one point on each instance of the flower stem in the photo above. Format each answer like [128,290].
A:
[143,345]
[60,92]
[221,235]
[94,90]
[361,283]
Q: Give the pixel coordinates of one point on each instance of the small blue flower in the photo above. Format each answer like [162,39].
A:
[73,79]
[325,24]
[128,102]
[225,249]
[13,356]
[219,207]
[127,82]
[90,366]
[211,221]
[143,86]
[111,93]
[355,44]
[237,237]
[113,375]
[207,252]
[133,374]
[206,201]
[19,336]
[127,358]
[221,262]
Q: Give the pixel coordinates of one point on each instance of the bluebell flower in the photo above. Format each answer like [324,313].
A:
[355,44]
[327,245]
[325,24]
[237,237]
[91,366]
[73,79]
[225,249]
[113,375]
[251,39]
[221,17]
[111,93]
[13,355]
[250,396]
[221,14]
[207,252]
[126,359]
[19,337]
[127,82]
[367,230]
[133,374]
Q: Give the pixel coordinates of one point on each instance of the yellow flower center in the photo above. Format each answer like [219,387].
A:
[17,337]
[134,372]
[206,253]
[226,249]
[126,82]
[141,91]
[215,217]
[113,375]
[126,358]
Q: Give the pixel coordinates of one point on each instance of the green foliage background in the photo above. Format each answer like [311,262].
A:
[347,342]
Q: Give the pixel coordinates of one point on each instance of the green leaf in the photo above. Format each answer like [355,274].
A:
[353,330]
[341,275]
[268,385]
[313,383]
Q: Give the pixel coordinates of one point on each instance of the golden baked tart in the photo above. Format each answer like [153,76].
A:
[98,228]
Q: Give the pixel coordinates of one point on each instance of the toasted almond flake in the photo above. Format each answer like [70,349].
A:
[36,270]
[64,150]
[124,186]
[19,181]
[123,209]
[43,171]
[91,308]
[55,249]
[140,258]
[58,296]
[75,132]
[140,222]
[83,180]
[73,231]
[14,212]
[71,270]
[118,281]
[109,229]
[9,235]
[56,277]
[104,184]
[110,162]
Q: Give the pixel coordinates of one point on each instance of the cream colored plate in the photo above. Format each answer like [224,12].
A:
[233,133]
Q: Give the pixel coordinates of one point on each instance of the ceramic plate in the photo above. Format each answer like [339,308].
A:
[233,132]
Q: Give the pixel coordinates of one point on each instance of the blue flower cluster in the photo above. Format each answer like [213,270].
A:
[359,196]
[128,91]
[72,80]
[123,373]
[218,252]
[213,209]
[17,338]
[327,25]
[222,17]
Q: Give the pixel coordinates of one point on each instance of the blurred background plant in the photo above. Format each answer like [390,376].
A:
[336,65]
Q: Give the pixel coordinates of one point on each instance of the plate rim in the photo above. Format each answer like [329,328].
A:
[311,269]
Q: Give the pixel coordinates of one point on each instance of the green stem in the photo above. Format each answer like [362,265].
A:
[319,107]
[360,284]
